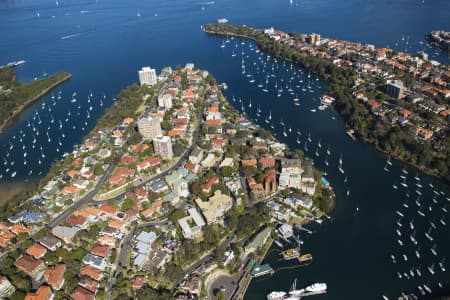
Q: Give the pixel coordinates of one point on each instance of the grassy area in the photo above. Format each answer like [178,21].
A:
[14,95]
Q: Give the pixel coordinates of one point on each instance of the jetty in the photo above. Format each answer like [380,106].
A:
[261,270]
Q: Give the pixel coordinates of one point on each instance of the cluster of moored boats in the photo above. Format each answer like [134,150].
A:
[421,217]
[295,294]
[272,76]
[45,132]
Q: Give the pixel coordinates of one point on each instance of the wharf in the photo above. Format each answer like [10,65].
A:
[261,270]
[291,253]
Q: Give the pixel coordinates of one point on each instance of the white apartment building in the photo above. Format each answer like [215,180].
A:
[149,128]
[147,76]
[163,146]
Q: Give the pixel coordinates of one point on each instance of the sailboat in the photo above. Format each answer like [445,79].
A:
[431,269]
[433,250]
[389,161]
[441,265]
[412,238]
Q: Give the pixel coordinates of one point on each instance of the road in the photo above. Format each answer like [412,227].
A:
[84,200]
[181,161]
[126,241]
[206,257]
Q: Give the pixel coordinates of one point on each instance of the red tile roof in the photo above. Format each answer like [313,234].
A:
[36,250]
[29,265]
[100,250]
[210,182]
[43,293]
[81,293]
[76,220]
[55,276]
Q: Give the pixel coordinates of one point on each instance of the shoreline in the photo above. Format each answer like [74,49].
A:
[10,190]
[10,120]
[427,171]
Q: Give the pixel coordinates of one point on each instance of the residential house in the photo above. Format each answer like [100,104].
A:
[50,242]
[36,250]
[65,233]
[6,288]
[216,206]
[81,293]
[206,187]
[54,276]
[196,155]
[29,265]
[43,293]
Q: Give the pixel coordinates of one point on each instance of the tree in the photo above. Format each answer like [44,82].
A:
[211,235]
[226,171]
[196,188]
[127,204]
[166,125]
[176,215]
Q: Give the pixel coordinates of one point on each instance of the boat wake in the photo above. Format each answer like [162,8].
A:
[70,36]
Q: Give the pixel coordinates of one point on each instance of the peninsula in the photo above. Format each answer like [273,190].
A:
[396,101]
[15,96]
[170,189]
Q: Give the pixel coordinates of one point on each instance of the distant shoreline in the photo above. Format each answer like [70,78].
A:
[8,121]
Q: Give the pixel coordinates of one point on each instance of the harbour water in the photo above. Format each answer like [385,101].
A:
[104,43]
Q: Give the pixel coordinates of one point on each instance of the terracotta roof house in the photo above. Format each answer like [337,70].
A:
[70,190]
[106,240]
[43,293]
[248,162]
[29,265]
[209,183]
[138,282]
[36,250]
[73,173]
[5,236]
[100,250]
[20,228]
[79,221]
[127,159]
[139,148]
[92,272]
[54,276]
[212,123]
[148,162]
[81,293]
[108,209]
[88,283]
